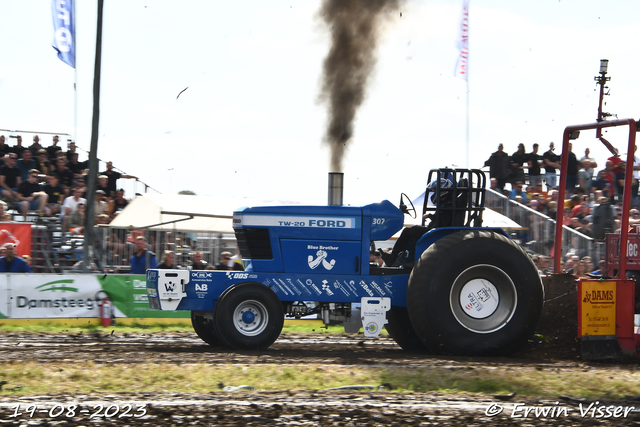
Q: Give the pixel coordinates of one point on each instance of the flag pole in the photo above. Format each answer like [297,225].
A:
[75,77]
[89,237]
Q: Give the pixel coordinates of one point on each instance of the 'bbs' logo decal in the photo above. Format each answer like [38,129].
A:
[231,275]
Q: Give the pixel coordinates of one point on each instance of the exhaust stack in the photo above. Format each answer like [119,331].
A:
[336,180]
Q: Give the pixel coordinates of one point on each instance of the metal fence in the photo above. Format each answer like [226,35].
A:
[537,231]
[116,246]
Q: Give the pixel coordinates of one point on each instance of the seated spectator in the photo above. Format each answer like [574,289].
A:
[580,270]
[10,263]
[55,195]
[585,227]
[10,178]
[31,196]
[103,184]
[552,209]
[101,205]
[70,205]
[517,191]
[119,202]
[25,164]
[65,176]
[42,162]
[77,220]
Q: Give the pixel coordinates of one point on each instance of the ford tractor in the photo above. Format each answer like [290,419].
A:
[454,287]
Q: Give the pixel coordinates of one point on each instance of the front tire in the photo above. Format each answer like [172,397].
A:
[249,316]
[474,293]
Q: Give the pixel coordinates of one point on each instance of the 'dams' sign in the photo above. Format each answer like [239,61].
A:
[598,304]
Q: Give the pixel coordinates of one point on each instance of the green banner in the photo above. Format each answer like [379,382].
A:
[129,295]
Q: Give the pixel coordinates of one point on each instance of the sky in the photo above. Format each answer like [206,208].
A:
[251,124]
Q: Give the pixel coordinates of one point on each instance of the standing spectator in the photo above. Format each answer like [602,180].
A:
[198,263]
[71,150]
[55,195]
[31,195]
[167,260]
[535,163]
[113,178]
[10,263]
[76,167]
[70,205]
[35,147]
[585,176]
[518,163]
[620,178]
[4,148]
[587,156]
[572,169]
[10,178]
[551,163]
[53,148]
[499,167]
[138,260]
[25,164]
[18,149]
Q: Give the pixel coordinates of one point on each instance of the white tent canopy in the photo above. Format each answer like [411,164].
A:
[206,214]
[184,213]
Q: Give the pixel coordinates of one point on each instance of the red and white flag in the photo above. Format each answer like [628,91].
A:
[462,66]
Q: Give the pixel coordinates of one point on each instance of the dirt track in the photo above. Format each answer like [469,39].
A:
[295,408]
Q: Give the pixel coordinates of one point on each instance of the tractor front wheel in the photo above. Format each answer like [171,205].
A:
[248,316]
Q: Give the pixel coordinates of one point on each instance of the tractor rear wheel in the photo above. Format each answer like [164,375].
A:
[400,329]
[248,316]
[204,329]
[474,293]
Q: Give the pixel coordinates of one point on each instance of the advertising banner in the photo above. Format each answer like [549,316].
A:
[64,31]
[129,295]
[49,296]
[18,234]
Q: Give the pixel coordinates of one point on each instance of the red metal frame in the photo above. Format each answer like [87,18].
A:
[626,203]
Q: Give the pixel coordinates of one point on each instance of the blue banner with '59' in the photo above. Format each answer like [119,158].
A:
[64,31]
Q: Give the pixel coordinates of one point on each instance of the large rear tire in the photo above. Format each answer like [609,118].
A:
[248,316]
[474,293]
[400,329]
[205,330]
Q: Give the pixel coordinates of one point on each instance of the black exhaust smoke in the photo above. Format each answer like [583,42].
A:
[354,26]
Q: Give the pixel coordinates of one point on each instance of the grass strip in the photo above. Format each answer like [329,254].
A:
[87,377]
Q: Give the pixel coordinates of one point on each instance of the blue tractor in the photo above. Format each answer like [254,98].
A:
[450,285]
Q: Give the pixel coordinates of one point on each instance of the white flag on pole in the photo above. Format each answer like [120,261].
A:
[462,66]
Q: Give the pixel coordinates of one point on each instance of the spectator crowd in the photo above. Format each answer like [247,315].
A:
[593,194]
[49,184]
